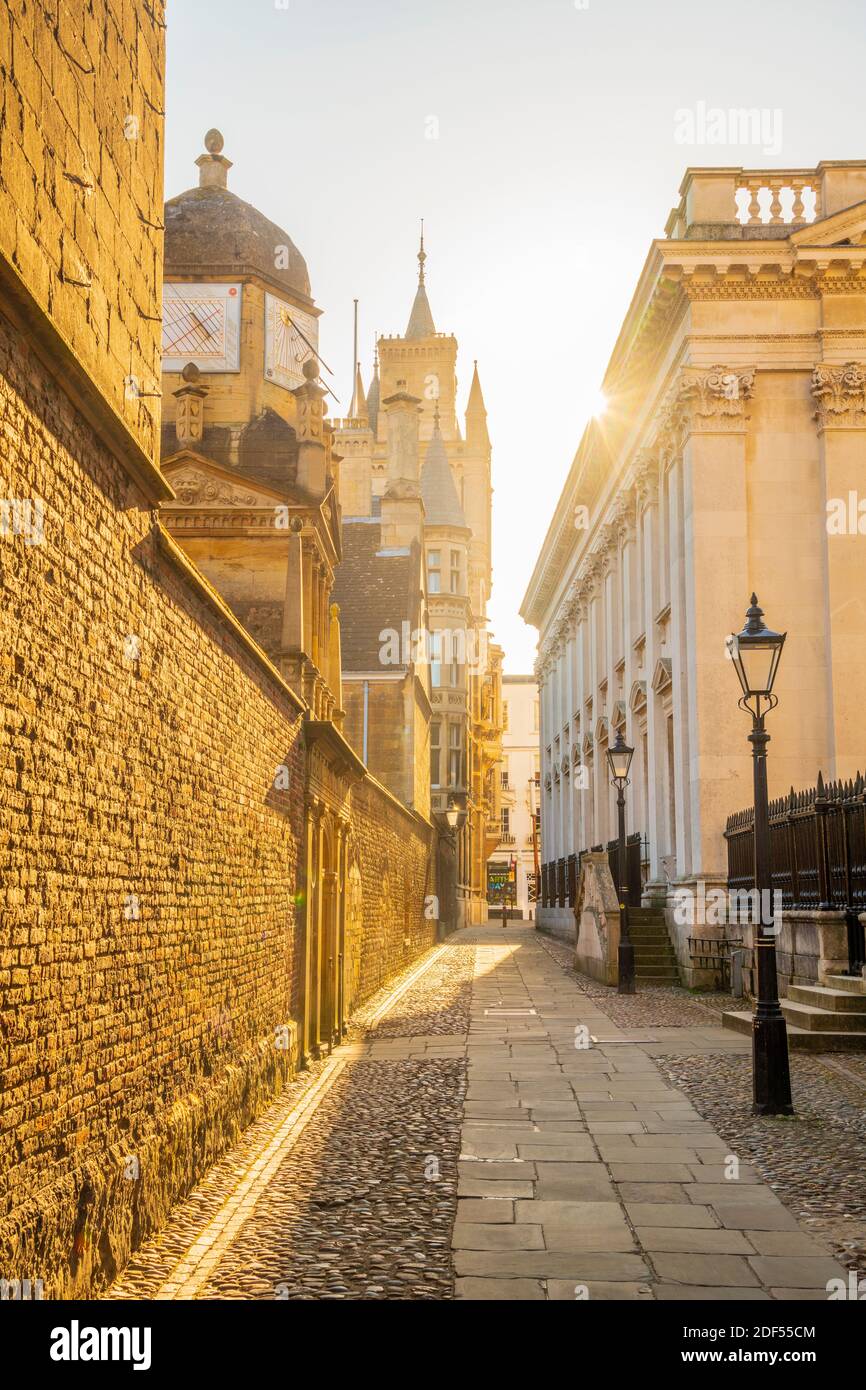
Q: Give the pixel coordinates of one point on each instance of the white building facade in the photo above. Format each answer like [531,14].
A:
[736,415]
[519,790]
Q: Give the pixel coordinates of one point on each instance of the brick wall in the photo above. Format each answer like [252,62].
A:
[397,864]
[148,868]
[81,184]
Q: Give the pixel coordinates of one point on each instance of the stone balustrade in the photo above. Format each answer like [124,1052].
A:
[731,203]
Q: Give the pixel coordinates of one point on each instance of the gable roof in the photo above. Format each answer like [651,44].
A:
[376,592]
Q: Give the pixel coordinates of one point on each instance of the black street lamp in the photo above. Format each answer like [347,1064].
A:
[756,652]
[619,760]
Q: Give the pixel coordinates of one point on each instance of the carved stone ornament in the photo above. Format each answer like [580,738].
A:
[195,488]
[646,475]
[840,396]
[717,395]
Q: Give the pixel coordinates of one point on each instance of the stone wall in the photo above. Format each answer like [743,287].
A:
[149,939]
[150,942]
[81,179]
[395,854]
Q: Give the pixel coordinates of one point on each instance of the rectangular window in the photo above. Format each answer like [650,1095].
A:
[505,714]
[505,815]
[434,571]
[456,586]
[535,716]
[435,752]
[436,658]
[455,755]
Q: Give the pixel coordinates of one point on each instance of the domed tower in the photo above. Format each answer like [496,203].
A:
[245,443]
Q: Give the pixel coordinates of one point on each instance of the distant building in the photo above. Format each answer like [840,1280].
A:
[519,789]
[421,677]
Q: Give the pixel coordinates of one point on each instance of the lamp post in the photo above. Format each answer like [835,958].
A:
[756,652]
[619,761]
[455,818]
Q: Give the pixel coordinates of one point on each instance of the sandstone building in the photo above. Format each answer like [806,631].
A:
[198,874]
[734,431]
[421,679]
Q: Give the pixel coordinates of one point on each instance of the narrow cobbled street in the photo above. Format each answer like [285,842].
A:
[499,1128]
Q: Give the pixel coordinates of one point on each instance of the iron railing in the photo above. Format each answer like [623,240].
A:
[817,854]
[560,877]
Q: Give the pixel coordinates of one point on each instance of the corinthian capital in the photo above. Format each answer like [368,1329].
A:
[840,396]
[716,397]
[646,477]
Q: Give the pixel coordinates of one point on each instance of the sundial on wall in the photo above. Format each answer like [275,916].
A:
[201,324]
[291,336]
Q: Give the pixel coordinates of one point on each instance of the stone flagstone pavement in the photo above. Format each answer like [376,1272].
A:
[584,1174]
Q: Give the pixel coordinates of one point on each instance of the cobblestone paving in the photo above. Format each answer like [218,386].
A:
[815,1161]
[357,1182]
[363,1207]
[662,1006]
[438,1003]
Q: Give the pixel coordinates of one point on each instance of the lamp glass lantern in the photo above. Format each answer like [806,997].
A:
[452,815]
[619,759]
[756,653]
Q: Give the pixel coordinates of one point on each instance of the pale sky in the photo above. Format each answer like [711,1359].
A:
[556,163]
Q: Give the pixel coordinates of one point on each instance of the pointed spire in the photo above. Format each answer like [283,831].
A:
[373,393]
[359,409]
[438,489]
[422,256]
[476,413]
[421,323]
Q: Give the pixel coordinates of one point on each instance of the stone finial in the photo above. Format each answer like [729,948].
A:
[189,422]
[213,167]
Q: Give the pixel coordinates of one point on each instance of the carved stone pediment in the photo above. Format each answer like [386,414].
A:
[663,675]
[201,484]
[637,696]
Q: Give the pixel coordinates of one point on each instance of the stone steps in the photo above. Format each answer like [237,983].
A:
[655,961]
[822,997]
[802,1039]
[848,984]
[823,1020]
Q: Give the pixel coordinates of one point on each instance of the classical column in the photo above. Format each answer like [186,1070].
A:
[712,408]
[840,399]
[679,656]
[646,476]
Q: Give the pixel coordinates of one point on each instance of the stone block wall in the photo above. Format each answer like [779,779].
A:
[150,942]
[395,853]
[81,185]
